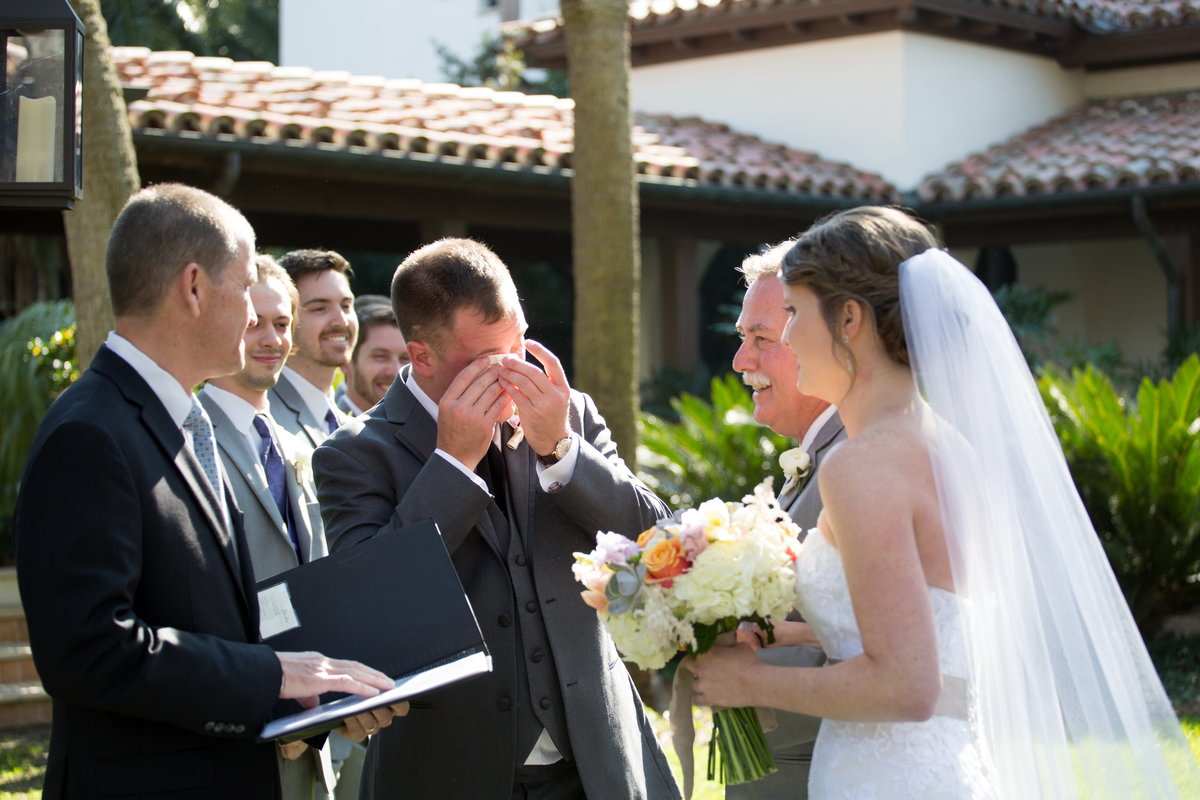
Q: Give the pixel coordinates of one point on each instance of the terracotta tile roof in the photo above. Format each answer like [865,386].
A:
[1094,15]
[262,103]
[1107,144]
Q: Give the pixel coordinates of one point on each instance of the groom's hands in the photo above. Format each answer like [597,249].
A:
[542,397]
[468,412]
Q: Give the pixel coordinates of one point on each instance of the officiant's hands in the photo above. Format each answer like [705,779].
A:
[542,397]
[307,675]
[359,728]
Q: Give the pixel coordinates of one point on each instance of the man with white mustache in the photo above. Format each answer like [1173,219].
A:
[326,330]
[769,368]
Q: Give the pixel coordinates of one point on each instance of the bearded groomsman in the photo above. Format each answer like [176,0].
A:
[270,479]
[378,356]
[326,330]
[768,367]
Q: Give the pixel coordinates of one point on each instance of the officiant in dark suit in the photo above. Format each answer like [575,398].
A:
[132,566]
[769,369]
[559,716]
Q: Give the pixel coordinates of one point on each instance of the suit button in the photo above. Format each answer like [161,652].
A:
[239,729]
[209,726]
[544,703]
[536,656]
[531,606]
[219,727]
[519,560]
[503,703]
[504,620]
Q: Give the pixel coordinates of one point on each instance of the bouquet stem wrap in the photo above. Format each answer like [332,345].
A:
[737,752]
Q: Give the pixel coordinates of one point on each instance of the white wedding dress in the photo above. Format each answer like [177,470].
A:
[933,760]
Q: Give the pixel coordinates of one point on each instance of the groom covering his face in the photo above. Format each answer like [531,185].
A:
[768,367]
[558,718]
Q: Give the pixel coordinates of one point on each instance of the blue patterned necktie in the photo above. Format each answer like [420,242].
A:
[331,420]
[197,424]
[276,478]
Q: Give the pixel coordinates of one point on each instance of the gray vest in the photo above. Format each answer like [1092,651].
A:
[538,702]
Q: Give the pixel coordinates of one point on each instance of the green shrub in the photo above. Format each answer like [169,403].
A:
[1137,465]
[716,449]
[37,361]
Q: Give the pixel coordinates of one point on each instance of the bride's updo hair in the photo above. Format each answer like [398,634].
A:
[856,255]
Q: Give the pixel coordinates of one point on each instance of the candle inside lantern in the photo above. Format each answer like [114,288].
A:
[36,139]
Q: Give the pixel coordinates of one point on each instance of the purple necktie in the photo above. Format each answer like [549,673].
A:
[276,479]
[331,420]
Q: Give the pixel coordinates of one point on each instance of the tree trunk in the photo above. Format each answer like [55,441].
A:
[109,178]
[604,214]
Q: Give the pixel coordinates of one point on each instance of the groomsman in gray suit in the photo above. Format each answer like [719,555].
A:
[326,330]
[279,504]
[303,404]
[558,718]
[769,368]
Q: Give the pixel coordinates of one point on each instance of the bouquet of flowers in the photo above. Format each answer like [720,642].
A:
[684,583]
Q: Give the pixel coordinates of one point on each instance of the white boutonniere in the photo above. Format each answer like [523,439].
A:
[796,466]
[302,465]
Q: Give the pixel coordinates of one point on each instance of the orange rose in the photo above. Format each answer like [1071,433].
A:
[645,536]
[664,560]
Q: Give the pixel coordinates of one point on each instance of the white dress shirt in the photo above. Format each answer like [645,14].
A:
[175,399]
[318,402]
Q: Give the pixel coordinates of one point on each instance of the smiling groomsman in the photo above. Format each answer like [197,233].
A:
[273,488]
[380,353]
[768,367]
[326,330]
[302,402]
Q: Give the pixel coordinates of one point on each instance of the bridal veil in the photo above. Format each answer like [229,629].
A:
[1068,702]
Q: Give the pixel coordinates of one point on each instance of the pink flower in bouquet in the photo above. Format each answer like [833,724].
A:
[613,548]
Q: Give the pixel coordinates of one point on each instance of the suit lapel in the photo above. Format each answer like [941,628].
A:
[312,546]
[315,430]
[233,444]
[170,438]
[821,442]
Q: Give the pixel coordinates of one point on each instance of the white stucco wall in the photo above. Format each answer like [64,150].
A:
[393,38]
[1143,80]
[1118,292]
[900,104]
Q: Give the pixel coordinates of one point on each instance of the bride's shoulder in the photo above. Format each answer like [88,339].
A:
[887,452]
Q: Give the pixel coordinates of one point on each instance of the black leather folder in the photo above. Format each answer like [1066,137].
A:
[393,602]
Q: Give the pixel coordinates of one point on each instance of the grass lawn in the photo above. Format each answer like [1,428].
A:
[23,757]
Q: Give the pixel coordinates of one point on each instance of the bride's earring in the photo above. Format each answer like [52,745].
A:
[849,359]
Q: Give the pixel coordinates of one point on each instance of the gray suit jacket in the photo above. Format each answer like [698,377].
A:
[791,742]
[291,413]
[271,553]
[379,473]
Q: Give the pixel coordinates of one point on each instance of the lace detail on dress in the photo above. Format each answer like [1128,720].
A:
[933,760]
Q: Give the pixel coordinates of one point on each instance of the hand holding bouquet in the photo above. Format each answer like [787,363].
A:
[682,584]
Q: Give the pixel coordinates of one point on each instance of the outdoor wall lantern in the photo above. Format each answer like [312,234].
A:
[41,143]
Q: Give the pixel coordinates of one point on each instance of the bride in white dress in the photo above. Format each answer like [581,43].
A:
[979,645]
